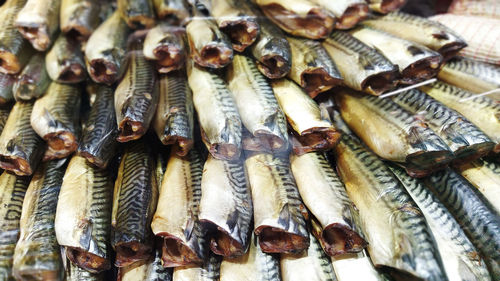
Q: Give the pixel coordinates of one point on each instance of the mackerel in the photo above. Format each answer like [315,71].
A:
[79,18]
[149,270]
[348,12]
[385,6]
[138,14]
[33,81]
[7,82]
[167,9]
[64,62]
[209,271]
[164,44]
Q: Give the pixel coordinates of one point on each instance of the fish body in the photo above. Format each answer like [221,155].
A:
[354,267]
[363,68]
[150,270]
[33,80]
[171,9]
[64,62]
[21,149]
[7,82]
[385,6]
[164,44]
[138,14]
[79,18]
[76,273]
[347,12]
[4,115]
[209,271]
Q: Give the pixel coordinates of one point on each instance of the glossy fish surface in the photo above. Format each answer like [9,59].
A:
[209,271]
[7,82]
[64,62]
[171,9]
[33,80]
[385,6]
[79,18]
[149,270]
[138,14]
[165,45]
[347,12]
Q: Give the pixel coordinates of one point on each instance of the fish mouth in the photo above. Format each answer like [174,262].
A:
[421,70]
[352,16]
[176,253]
[183,143]
[60,145]
[169,58]
[73,73]
[317,80]
[450,50]
[37,35]
[316,24]
[87,261]
[315,139]
[274,66]
[130,252]
[221,242]
[338,239]
[275,240]
[422,163]
[214,55]
[9,63]
[130,130]
[390,5]
[242,32]
[379,83]
[473,152]
[15,164]
[103,71]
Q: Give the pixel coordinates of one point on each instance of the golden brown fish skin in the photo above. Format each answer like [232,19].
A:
[33,80]
[385,6]
[148,270]
[168,9]
[208,271]
[55,118]
[4,115]
[38,22]
[300,18]
[312,67]
[7,82]
[79,18]
[347,12]
[280,217]
[75,273]
[15,51]
[138,14]
[64,62]
[165,45]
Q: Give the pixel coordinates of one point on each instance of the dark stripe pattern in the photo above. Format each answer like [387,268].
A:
[479,70]
[315,56]
[455,93]
[267,264]
[10,39]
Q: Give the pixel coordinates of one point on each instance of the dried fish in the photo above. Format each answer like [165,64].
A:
[137,13]
[79,18]
[165,45]
[33,81]
[64,62]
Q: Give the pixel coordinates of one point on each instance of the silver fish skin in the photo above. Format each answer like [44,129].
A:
[136,96]
[55,118]
[473,76]
[460,258]
[218,116]
[209,271]
[226,207]
[312,264]
[483,111]
[106,49]
[64,62]
[7,82]
[466,140]
[258,108]
[324,195]
[416,62]
[280,217]
[164,44]
[11,203]
[420,30]
[255,265]
[363,68]
[138,14]
[79,18]
[168,9]
[174,118]
[83,216]
[400,241]
[98,143]
[134,203]
[38,22]
[37,255]
[176,217]
[15,51]
[312,67]
[385,6]
[149,270]
[21,149]
[33,80]
[472,211]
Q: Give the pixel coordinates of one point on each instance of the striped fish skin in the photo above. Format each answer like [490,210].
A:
[470,75]
[416,62]
[280,217]
[138,14]
[176,217]
[385,6]
[38,22]
[481,111]
[226,207]
[75,273]
[11,203]
[237,20]
[79,18]
[271,50]
[313,264]
[485,176]
[324,195]
[136,96]
[37,255]
[7,82]
[255,265]
[393,133]
[33,80]
[400,241]
[64,62]
[98,143]
[311,130]
[476,217]
[460,257]
[420,30]
[218,116]
[150,270]
[21,149]
[4,115]
[134,203]
[15,51]
[256,103]
[83,216]
[300,18]
[209,271]
[363,68]
[167,9]
[106,50]
[465,140]
[347,12]
[174,118]
[164,44]
[312,67]
[55,118]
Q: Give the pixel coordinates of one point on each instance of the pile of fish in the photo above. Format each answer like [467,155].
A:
[237,140]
